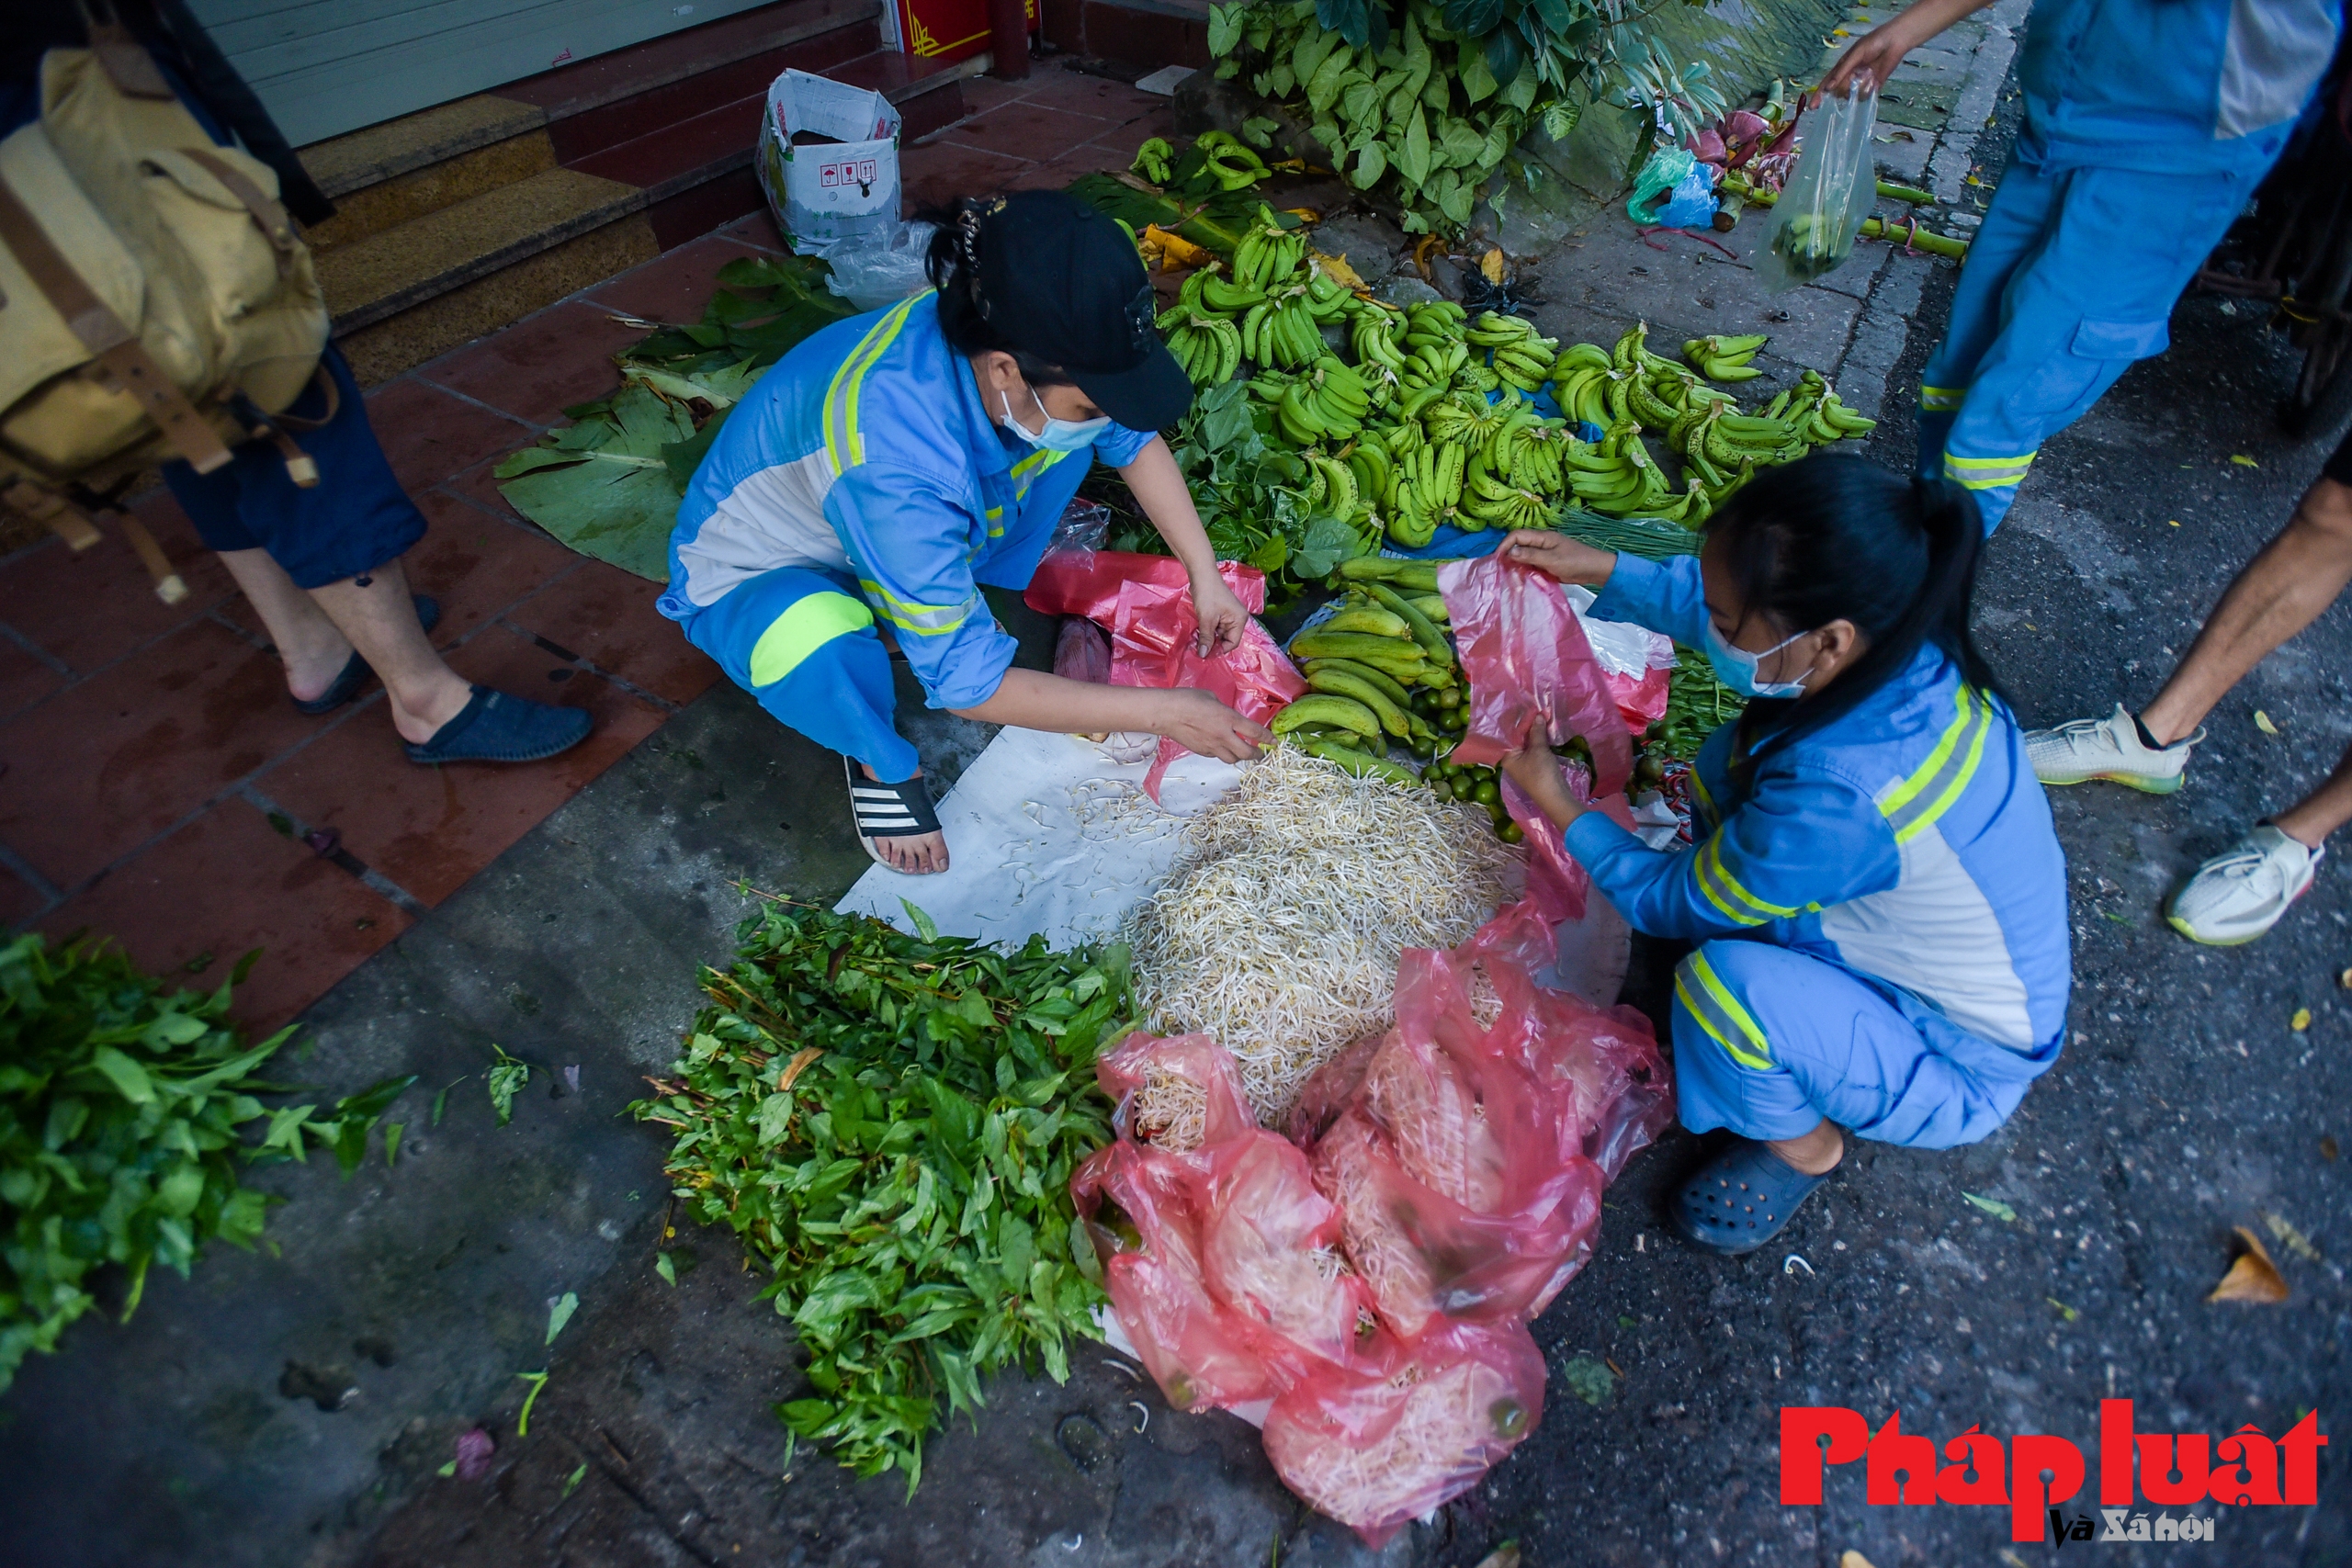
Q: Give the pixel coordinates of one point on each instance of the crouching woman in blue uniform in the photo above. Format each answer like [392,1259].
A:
[1877,895]
[894,462]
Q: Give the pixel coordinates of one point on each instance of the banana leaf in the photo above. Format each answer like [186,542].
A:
[603,486]
[1215,222]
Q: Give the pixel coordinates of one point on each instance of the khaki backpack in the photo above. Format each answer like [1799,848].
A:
[155,300]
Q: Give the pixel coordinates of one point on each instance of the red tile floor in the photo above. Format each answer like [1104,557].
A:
[155,785]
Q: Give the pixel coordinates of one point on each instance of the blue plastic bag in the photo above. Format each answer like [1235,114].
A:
[1692,205]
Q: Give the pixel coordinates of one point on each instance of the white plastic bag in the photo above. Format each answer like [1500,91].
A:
[1830,192]
[878,269]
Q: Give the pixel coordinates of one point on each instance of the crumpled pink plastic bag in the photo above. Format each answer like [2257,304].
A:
[1465,1193]
[1377,1447]
[1524,655]
[1146,603]
[1616,1092]
[1221,1260]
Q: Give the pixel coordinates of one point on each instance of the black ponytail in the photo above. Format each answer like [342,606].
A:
[1833,537]
[953,264]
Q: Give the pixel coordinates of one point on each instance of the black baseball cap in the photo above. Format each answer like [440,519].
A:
[1063,282]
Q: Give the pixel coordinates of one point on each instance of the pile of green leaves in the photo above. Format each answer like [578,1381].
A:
[1429,99]
[122,1113]
[1213,218]
[1251,487]
[608,483]
[889,1124]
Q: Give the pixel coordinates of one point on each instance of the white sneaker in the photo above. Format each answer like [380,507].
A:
[2240,893]
[2110,749]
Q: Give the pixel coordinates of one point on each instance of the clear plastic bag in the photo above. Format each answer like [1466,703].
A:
[1828,194]
[878,269]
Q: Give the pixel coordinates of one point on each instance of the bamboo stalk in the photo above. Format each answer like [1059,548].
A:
[1934,245]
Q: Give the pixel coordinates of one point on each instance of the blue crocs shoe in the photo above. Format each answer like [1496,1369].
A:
[1739,1199]
[498,726]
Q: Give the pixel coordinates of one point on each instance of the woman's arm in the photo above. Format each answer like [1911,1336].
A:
[1878,52]
[1160,490]
[1032,699]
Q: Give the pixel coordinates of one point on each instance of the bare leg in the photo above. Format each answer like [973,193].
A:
[317,630]
[2323,811]
[918,854]
[1816,1154]
[2281,591]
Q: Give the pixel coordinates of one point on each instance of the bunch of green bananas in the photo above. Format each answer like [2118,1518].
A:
[1207,346]
[1725,358]
[1153,160]
[1230,161]
[1425,491]
[1522,357]
[1525,448]
[1329,401]
[1617,475]
[1268,254]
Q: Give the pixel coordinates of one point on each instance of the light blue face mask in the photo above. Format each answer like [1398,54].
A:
[1736,667]
[1058,435]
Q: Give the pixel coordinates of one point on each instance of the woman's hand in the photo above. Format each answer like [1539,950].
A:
[1223,619]
[1535,770]
[1570,560]
[1878,52]
[1198,722]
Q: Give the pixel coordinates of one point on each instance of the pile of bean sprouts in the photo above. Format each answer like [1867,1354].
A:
[1279,928]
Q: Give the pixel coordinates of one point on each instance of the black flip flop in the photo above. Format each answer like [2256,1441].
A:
[880,811]
[1739,1199]
[497,726]
[355,670]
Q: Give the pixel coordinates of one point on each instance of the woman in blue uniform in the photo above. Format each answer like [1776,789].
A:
[2148,123]
[893,463]
[1878,898]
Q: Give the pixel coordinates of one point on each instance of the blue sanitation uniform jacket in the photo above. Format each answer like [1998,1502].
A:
[862,477]
[1881,909]
[2148,124]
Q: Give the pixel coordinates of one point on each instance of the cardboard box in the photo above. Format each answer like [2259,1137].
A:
[828,190]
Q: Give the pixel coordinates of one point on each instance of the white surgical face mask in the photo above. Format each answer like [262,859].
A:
[1058,435]
[1736,667]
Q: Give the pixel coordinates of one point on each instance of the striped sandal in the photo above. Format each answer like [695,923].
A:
[888,810]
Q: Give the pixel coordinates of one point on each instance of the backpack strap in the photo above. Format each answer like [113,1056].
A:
[268,215]
[72,524]
[113,344]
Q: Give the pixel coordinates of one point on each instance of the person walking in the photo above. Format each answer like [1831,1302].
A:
[2148,124]
[1878,895]
[2244,891]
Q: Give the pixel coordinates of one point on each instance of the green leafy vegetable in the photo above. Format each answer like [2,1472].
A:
[123,1107]
[889,1124]
[506,1078]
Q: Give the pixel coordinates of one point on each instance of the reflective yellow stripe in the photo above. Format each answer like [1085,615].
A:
[1988,473]
[1706,802]
[844,444]
[1037,462]
[926,620]
[1709,1001]
[1722,872]
[1701,873]
[806,625]
[1940,400]
[1911,806]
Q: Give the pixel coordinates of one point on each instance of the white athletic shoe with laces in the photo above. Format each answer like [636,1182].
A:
[2108,749]
[2240,893]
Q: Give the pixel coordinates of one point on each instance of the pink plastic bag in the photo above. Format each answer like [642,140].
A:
[1147,604]
[1525,657]
[1377,1447]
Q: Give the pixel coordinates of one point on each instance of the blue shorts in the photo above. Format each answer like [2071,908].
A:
[1770,1043]
[355,518]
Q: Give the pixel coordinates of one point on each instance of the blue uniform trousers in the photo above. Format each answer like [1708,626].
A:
[1771,1042]
[2072,277]
[803,642]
